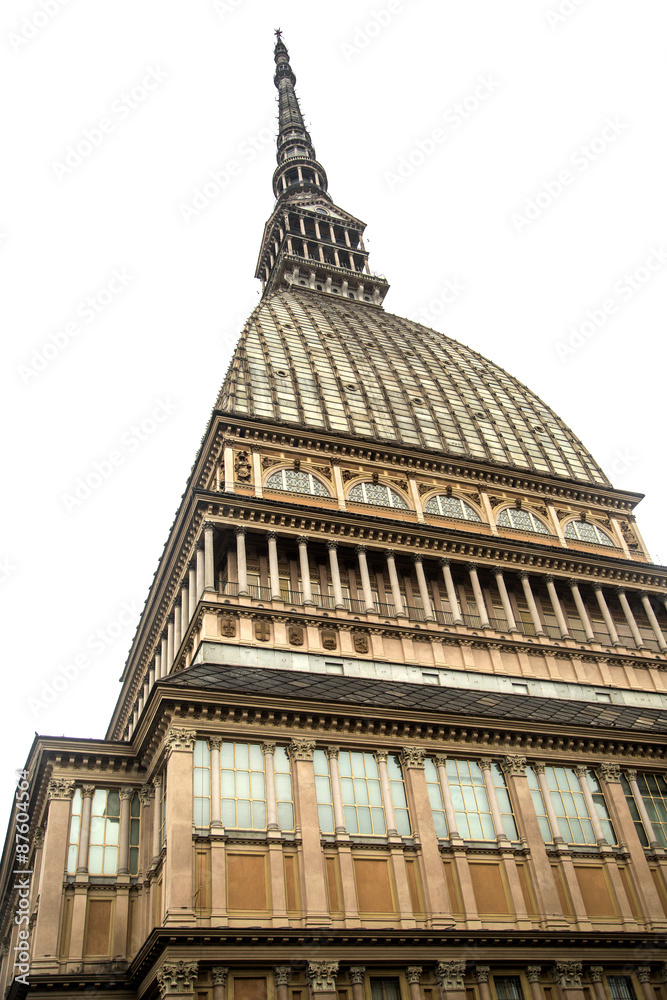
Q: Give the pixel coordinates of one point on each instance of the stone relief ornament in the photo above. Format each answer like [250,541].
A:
[180,739]
[568,975]
[413,973]
[295,635]
[60,788]
[146,795]
[262,631]
[629,535]
[301,748]
[357,973]
[609,771]
[413,757]
[482,973]
[219,975]
[228,627]
[321,976]
[450,975]
[514,764]
[329,638]
[360,642]
[533,972]
[242,467]
[177,977]
[282,975]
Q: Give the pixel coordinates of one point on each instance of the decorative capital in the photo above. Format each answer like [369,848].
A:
[450,975]
[390,553]
[643,973]
[210,525]
[440,760]
[595,972]
[548,578]
[302,540]
[268,747]
[444,562]
[485,763]
[514,765]
[381,756]
[175,978]
[597,586]
[321,976]
[332,543]
[417,557]
[482,973]
[533,972]
[273,535]
[240,529]
[609,771]
[215,742]
[282,975]
[126,792]
[301,749]
[332,752]
[413,973]
[412,756]
[581,771]
[39,837]
[539,767]
[630,774]
[357,973]
[180,739]
[158,780]
[523,574]
[472,567]
[146,795]
[663,970]
[60,788]
[568,975]
[361,549]
[219,975]
[87,791]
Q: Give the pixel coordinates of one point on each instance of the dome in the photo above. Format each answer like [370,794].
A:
[310,359]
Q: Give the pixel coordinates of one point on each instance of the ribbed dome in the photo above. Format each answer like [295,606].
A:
[310,359]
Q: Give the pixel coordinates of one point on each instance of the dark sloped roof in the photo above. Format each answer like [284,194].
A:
[350,691]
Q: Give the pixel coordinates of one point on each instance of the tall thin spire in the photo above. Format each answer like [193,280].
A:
[309,241]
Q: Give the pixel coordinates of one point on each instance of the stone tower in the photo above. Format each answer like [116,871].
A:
[392,726]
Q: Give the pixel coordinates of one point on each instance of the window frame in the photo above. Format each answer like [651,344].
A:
[391,491]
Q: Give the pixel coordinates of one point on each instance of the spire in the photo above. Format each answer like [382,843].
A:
[308,240]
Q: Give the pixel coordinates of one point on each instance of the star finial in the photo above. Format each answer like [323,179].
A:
[278,33]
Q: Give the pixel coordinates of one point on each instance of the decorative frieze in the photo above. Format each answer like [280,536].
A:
[176,978]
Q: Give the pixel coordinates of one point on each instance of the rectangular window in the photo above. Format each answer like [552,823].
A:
[283,772]
[361,794]
[104,833]
[161,792]
[135,833]
[569,804]
[385,988]
[471,804]
[202,784]
[653,788]
[508,987]
[242,786]
[620,988]
[323,791]
[74,832]
[435,797]
[398,798]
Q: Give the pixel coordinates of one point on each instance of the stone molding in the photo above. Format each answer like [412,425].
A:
[178,738]
[219,975]
[301,749]
[282,975]
[413,974]
[643,973]
[568,975]
[514,765]
[146,794]
[268,747]
[357,973]
[126,792]
[176,978]
[482,973]
[60,788]
[610,771]
[321,976]
[595,972]
[413,756]
[87,791]
[533,972]
[449,975]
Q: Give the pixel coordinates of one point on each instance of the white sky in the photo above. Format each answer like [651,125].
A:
[371,94]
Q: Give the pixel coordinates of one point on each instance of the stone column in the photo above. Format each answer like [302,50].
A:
[54,859]
[568,977]
[390,816]
[357,975]
[416,499]
[170,644]
[365,578]
[257,469]
[228,465]
[321,978]
[200,572]
[336,799]
[313,880]
[338,483]
[413,974]
[177,979]
[126,794]
[164,665]
[504,599]
[178,878]
[595,972]
[274,573]
[582,777]
[653,621]
[177,628]
[418,560]
[304,568]
[581,610]
[157,845]
[479,597]
[215,742]
[556,605]
[87,792]
[209,559]
[539,769]
[445,565]
[631,775]
[219,977]
[533,973]
[396,595]
[482,977]
[435,886]
[630,618]
[332,546]
[193,597]
[449,976]
[644,977]
[450,816]
[524,576]
[153,670]
[486,765]
[269,749]
[611,628]
[281,977]
[185,609]
[241,564]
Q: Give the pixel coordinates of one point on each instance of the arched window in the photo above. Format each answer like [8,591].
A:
[451,507]
[377,493]
[523,520]
[296,482]
[584,531]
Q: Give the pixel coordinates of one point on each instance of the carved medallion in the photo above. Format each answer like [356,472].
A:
[262,631]
[329,638]
[361,644]
[295,635]
[242,467]
[228,627]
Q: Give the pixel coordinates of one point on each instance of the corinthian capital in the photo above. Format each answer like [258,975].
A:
[180,739]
